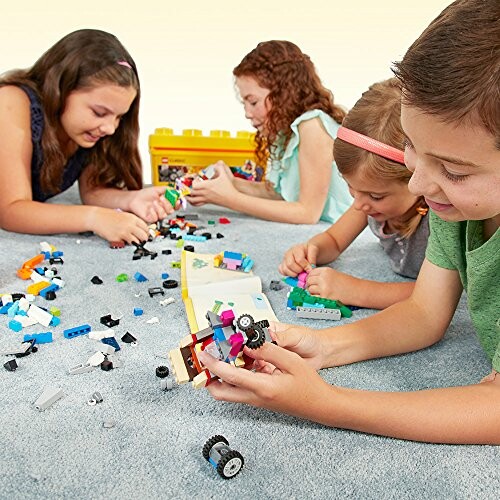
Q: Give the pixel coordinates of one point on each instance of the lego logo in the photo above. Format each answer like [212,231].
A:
[164,159]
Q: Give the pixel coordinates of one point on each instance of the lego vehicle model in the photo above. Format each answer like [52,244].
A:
[224,339]
[224,460]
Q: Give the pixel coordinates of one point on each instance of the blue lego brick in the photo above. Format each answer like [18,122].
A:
[40,271]
[140,277]
[290,281]
[247,264]
[15,325]
[233,255]
[219,335]
[13,308]
[50,288]
[55,321]
[4,309]
[46,254]
[76,331]
[313,305]
[138,311]
[195,237]
[41,338]
[57,253]
[112,342]
[164,276]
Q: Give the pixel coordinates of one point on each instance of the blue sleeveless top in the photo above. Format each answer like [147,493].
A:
[75,164]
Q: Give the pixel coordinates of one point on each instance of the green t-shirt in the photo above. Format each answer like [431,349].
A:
[461,246]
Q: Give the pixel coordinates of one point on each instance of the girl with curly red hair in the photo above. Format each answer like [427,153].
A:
[297,122]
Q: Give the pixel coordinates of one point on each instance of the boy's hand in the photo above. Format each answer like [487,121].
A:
[150,204]
[293,386]
[219,190]
[113,225]
[332,284]
[301,257]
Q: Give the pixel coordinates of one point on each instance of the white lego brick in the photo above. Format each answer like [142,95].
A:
[30,297]
[318,313]
[24,305]
[96,359]
[59,282]
[37,278]
[48,398]
[40,315]
[81,368]
[49,273]
[45,247]
[25,320]
[6,299]
[167,301]
[153,320]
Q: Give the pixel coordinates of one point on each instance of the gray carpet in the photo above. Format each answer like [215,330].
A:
[154,451]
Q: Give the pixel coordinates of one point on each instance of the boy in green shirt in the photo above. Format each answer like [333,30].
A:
[450,115]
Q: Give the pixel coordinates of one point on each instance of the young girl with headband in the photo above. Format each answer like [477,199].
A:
[296,121]
[74,116]
[368,157]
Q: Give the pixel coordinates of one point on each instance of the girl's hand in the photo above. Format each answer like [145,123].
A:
[299,258]
[292,387]
[150,204]
[219,190]
[113,225]
[331,284]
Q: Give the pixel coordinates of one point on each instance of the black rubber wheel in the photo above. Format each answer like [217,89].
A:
[162,371]
[244,322]
[230,464]
[211,443]
[256,337]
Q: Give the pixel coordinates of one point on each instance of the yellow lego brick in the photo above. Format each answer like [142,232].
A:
[178,367]
[36,288]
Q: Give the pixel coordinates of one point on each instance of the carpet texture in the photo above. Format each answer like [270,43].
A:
[154,450]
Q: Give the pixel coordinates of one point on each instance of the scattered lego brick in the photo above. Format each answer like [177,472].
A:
[96,280]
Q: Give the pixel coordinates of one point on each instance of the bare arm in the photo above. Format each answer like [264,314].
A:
[410,325]
[324,247]
[315,170]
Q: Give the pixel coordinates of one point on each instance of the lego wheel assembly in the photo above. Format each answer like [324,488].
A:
[227,462]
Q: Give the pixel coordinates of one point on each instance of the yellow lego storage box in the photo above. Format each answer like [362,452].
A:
[175,155]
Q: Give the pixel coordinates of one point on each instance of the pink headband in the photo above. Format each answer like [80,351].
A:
[364,142]
[125,63]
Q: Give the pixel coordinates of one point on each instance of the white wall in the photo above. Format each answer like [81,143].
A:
[186,50]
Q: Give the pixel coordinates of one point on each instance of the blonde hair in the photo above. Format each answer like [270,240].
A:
[377,115]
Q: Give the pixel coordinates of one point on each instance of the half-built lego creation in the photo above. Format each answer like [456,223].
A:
[224,339]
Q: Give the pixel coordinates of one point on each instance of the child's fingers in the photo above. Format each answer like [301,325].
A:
[311,256]
[160,190]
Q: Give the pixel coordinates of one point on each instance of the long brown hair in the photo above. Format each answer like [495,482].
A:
[294,88]
[377,115]
[453,69]
[82,59]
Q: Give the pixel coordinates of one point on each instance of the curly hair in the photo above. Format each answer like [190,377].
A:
[377,114]
[294,88]
[84,59]
[453,69]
